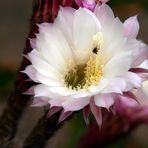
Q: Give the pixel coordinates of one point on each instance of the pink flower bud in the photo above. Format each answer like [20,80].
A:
[90,4]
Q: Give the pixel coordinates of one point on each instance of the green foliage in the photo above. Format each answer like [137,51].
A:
[77,128]
[6,79]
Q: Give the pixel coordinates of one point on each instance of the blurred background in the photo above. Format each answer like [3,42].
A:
[14,25]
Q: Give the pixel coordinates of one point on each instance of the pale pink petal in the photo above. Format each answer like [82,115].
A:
[42,90]
[89,4]
[54,98]
[96,111]
[74,104]
[131,27]
[139,50]
[104,100]
[26,56]
[140,54]
[31,72]
[128,100]
[30,91]
[141,72]
[38,101]
[125,102]
[86,112]
[104,13]
[33,42]
[53,110]
[64,115]
[143,76]
[44,27]
[132,81]
[56,102]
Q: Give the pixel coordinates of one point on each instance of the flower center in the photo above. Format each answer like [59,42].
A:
[83,76]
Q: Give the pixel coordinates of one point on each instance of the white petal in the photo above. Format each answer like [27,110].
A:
[115,85]
[42,66]
[144,64]
[48,81]
[53,98]
[52,45]
[118,46]
[95,89]
[81,94]
[42,90]
[86,25]
[104,100]
[31,72]
[57,101]
[118,65]
[44,27]
[112,31]
[131,27]
[61,91]
[38,77]
[64,22]
[74,104]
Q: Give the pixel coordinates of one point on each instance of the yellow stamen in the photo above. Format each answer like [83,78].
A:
[83,76]
[93,71]
[98,40]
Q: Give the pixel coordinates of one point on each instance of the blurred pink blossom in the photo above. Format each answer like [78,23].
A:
[90,4]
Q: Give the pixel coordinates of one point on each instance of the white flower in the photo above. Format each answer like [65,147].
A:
[85,58]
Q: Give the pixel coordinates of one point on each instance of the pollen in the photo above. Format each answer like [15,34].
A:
[83,76]
[98,40]
[93,71]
